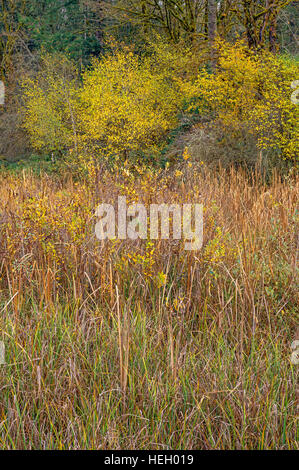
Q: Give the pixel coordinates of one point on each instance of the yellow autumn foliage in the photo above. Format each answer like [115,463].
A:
[251,91]
[50,105]
[126,104]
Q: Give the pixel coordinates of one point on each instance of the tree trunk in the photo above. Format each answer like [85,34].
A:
[249,25]
[212,19]
[273,31]
[212,29]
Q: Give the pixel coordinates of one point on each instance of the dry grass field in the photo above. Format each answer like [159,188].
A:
[141,344]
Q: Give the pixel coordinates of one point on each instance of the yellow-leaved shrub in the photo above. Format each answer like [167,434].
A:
[127,105]
[50,105]
[252,91]
[123,104]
